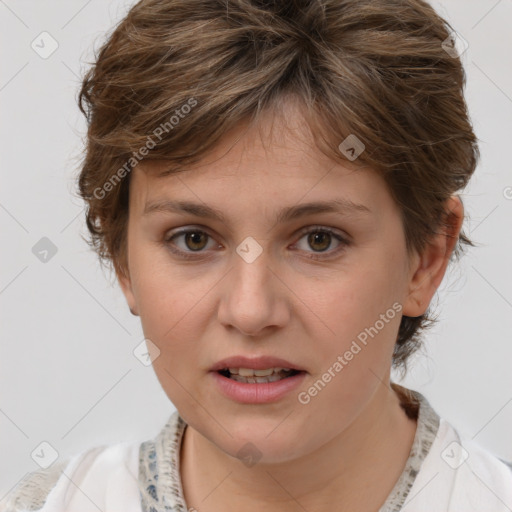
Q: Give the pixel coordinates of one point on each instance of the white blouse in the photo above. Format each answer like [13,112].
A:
[444,472]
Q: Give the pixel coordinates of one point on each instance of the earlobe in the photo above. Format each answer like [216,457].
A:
[428,269]
[126,286]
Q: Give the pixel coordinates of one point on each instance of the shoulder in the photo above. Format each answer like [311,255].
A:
[459,474]
[82,481]
[31,491]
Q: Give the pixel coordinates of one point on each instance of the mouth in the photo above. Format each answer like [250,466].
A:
[261,385]
[263,376]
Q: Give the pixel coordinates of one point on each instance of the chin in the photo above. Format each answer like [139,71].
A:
[259,442]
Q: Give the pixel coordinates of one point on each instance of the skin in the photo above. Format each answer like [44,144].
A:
[352,436]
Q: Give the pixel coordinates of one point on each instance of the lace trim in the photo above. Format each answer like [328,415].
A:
[159,472]
[426,431]
[31,492]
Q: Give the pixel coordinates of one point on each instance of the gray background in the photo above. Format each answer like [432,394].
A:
[68,375]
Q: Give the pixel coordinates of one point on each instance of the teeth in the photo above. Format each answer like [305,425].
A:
[256,380]
[249,372]
[252,376]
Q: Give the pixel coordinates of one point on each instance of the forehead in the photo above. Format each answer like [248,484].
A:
[273,163]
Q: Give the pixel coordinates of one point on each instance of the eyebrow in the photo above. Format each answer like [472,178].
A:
[287,214]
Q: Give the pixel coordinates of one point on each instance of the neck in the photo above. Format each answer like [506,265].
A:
[369,455]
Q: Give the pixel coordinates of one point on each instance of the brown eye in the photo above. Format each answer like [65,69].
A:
[195,240]
[319,240]
[186,242]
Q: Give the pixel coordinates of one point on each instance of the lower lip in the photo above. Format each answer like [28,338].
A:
[263,393]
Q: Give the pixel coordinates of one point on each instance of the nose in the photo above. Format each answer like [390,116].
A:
[254,298]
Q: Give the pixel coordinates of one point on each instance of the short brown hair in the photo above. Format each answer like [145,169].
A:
[375,69]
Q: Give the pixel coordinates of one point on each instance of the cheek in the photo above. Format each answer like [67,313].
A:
[354,328]
[356,314]
[170,316]
[352,299]
[171,303]
[166,306]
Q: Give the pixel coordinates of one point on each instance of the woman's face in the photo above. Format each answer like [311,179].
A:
[259,282]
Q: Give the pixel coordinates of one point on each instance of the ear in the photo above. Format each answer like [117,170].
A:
[126,285]
[428,269]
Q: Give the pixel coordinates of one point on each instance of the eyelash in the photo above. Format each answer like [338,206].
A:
[314,256]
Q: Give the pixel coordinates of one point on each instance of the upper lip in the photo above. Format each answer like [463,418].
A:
[256,363]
